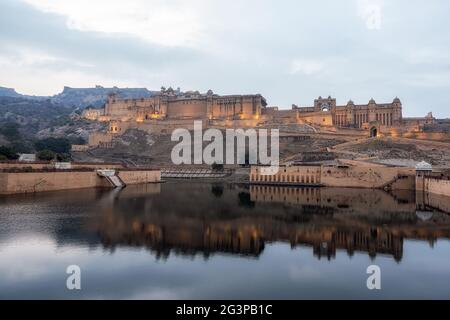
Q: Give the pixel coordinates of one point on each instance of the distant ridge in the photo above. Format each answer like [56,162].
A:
[82,97]
[9,92]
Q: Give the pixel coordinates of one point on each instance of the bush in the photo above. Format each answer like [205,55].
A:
[22,146]
[57,145]
[46,155]
[8,153]
[63,157]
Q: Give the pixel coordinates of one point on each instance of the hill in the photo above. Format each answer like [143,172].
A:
[81,97]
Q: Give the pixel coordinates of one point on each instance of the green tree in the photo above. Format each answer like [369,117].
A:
[46,155]
[63,157]
[57,145]
[22,146]
[8,153]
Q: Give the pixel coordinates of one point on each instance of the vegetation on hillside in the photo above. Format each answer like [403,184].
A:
[57,145]
[46,155]
[7,153]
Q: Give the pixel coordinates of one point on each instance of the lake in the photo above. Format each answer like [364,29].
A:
[192,240]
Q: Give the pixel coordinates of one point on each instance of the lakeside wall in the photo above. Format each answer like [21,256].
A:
[31,182]
[370,177]
[42,165]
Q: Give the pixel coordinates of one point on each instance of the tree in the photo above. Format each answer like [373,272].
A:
[57,145]
[63,157]
[46,155]
[8,153]
[22,146]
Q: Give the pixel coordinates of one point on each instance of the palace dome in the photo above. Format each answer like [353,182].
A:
[372,101]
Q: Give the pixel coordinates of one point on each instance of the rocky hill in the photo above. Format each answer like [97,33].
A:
[24,118]
[82,97]
[8,92]
[96,97]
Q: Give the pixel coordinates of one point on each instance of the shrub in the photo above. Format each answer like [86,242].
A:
[46,155]
[8,153]
[57,145]
[63,157]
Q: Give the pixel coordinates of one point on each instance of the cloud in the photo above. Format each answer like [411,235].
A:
[290,53]
[172,23]
[371,13]
[306,66]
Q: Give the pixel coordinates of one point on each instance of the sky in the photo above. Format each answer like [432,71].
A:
[290,51]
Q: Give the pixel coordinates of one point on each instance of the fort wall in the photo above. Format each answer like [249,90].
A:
[195,109]
[434,136]
[79,147]
[372,177]
[42,165]
[31,182]
[140,176]
[362,177]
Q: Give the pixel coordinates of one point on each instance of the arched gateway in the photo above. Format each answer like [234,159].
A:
[373,132]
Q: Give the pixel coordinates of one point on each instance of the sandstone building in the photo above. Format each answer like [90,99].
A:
[171,104]
[352,115]
[170,109]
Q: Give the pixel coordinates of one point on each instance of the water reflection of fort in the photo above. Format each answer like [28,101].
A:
[229,219]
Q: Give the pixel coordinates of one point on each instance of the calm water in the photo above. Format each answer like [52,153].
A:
[199,240]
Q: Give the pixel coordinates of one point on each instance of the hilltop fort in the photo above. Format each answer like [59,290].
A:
[169,109]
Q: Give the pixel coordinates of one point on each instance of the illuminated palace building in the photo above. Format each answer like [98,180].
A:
[169,109]
[353,115]
[171,104]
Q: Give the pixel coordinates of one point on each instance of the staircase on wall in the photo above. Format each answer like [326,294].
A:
[112,177]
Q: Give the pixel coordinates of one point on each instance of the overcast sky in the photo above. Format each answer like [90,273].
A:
[290,51]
